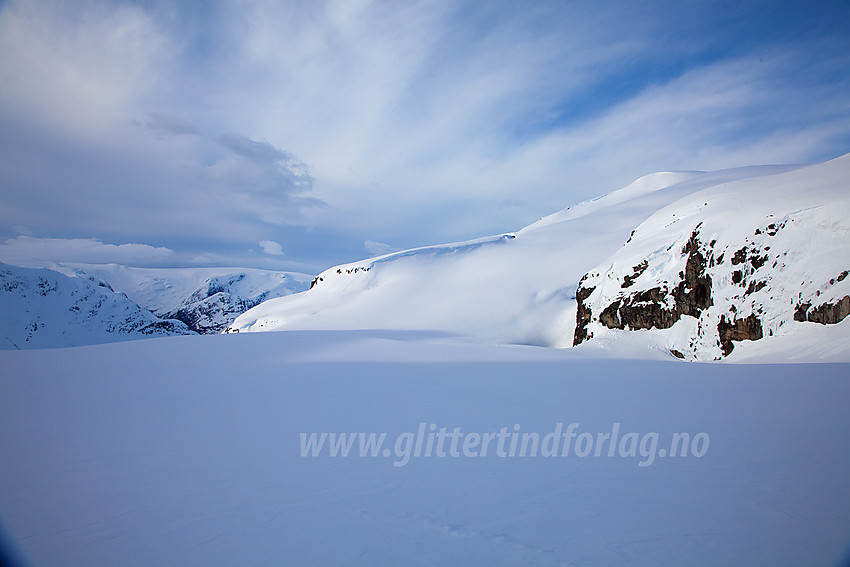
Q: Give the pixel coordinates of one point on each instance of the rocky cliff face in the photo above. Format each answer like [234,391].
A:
[661,306]
[707,273]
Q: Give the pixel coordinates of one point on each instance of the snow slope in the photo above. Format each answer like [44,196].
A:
[41,308]
[187,451]
[521,288]
[706,271]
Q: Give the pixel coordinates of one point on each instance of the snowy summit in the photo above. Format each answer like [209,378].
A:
[675,264]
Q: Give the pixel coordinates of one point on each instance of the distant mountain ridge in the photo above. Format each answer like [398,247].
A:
[42,308]
[79,304]
[207,300]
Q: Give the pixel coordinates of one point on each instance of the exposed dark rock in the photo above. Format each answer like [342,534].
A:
[355,270]
[690,293]
[163,327]
[800,311]
[830,313]
[642,310]
[610,316]
[214,313]
[746,329]
[629,281]
[214,305]
[693,294]
[583,313]
[757,261]
[737,277]
[651,308]
[826,314]
[740,256]
[755,286]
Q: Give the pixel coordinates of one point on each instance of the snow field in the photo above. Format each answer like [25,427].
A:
[186,450]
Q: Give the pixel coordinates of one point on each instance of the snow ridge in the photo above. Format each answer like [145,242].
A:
[676,264]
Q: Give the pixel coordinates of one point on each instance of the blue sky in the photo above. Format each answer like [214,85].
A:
[297,135]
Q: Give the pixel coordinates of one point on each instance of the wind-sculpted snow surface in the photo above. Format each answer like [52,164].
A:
[196,451]
[676,264]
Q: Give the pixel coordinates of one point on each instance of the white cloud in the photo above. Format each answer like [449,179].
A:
[378,248]
[271,247]
[411,122]
[728,114]
[80,68]
[28,250]
[411,113]
[260,179]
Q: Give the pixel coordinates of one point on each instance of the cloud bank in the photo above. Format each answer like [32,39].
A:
[209,128]
[24,250]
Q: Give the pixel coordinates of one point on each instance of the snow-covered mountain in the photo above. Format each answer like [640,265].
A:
[737,261]
[44,308]
[77,304]
[675,264]
[686,264]
[207,300]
